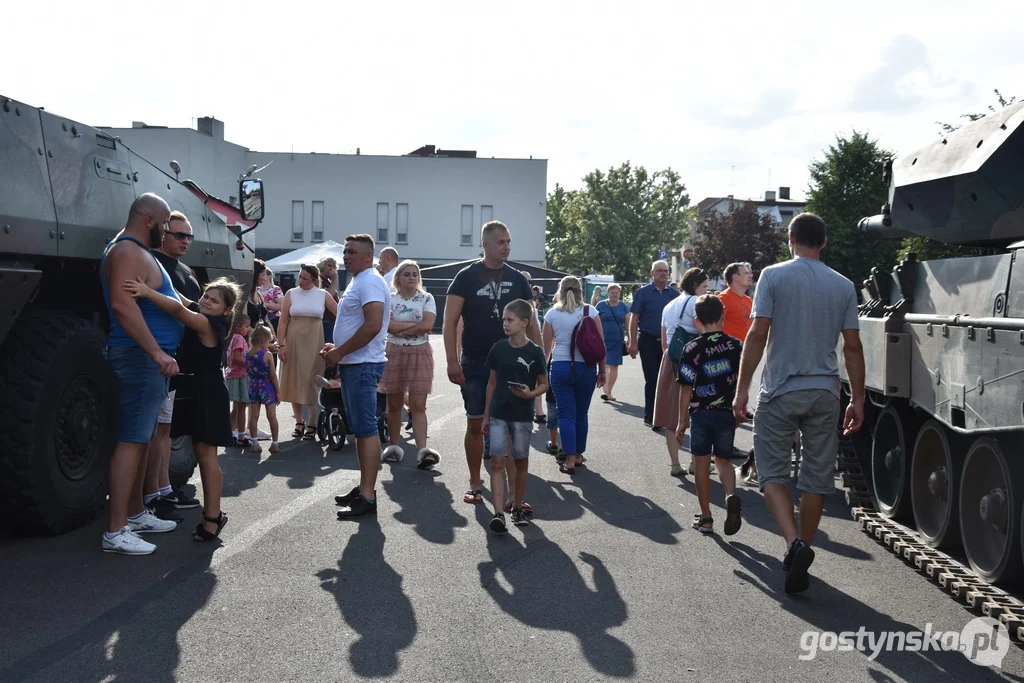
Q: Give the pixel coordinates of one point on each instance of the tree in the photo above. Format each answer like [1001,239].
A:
[617,221]
[742,235]
[1002,101]
[846,186]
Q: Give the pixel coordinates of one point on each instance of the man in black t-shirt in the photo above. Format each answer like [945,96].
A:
[157,492]
[478,295]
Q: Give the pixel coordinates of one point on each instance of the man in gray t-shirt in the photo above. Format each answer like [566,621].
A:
[801,308]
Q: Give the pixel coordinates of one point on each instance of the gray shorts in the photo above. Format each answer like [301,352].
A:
[518,433]
[814,414]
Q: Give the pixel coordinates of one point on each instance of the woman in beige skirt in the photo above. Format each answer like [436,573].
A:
[678,313]
[301,335]
[409,374]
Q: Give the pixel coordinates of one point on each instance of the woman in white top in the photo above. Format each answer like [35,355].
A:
[409,373]
[301,335]
[678,313]
[572,380]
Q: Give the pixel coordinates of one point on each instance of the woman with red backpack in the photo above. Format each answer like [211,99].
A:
[574,342]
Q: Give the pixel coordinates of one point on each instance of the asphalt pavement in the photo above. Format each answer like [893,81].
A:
[610,582]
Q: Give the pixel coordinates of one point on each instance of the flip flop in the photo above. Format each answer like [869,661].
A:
[473,496]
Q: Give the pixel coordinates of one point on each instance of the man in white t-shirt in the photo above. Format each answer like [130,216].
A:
[386,265]
[360,335]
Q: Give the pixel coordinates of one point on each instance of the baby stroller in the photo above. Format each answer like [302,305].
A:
[331,426]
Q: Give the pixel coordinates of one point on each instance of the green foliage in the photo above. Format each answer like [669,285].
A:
[616,221]
[926,249]
[1000,100]
[846,186]
[742,235]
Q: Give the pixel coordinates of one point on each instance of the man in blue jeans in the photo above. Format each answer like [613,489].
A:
[360,336]
[140,348]
[478,295]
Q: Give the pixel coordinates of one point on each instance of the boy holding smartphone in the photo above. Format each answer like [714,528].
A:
[518,374]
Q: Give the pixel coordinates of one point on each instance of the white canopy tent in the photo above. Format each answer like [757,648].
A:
[293,260]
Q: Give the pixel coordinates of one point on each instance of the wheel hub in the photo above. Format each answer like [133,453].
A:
[894,460]
[77,431]
[992,509]
[938,484]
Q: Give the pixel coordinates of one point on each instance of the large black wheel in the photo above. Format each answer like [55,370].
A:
[893,439]
[58,398]
[990,512]
[183,463]
[935,484]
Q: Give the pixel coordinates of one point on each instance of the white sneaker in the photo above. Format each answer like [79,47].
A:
[392,453]
[260,434]
[127,543]
[148,523]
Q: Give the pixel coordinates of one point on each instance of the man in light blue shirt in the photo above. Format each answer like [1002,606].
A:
[801,308]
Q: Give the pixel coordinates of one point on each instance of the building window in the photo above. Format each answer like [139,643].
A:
[401,224]
[467,225]
[298,229]
[382,222]
[786,217]
[318,222]
[486,214]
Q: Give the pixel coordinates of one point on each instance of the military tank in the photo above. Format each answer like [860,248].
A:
[65,191]
[944,348]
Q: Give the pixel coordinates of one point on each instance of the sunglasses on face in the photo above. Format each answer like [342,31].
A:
[182,236]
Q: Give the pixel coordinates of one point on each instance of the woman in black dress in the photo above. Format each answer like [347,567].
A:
[202,409]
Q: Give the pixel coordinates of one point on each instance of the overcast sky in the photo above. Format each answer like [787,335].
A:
[726,93]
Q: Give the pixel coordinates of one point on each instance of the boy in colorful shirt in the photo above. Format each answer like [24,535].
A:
[708,368]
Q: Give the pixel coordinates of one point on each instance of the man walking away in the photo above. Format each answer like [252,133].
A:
[800,309]
[361,336]
[141,345]
[648,303]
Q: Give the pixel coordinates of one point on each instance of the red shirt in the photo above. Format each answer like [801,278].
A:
[737,314]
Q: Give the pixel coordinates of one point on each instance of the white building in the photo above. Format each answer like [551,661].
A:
[429,204]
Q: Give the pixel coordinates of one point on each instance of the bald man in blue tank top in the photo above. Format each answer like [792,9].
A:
[140,349]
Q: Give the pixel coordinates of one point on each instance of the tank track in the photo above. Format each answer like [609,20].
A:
[948,572]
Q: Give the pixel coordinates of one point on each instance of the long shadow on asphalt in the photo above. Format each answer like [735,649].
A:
[549,592]
[300,461]
[623,509]
[138,636]
[755,513]
[370,596]
[828,609]
[426,502]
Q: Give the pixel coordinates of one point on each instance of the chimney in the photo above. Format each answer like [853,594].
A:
[769,195]
[211,126]
[783,193]
[138,124]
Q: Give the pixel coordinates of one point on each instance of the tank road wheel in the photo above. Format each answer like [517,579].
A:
[895,431]
[990,513]
[182,464]
[58,398]
[935,484]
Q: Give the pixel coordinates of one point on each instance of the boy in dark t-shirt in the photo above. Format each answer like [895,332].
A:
[708,368]
[518,374]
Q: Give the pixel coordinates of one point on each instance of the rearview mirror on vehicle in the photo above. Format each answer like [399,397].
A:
[251,192]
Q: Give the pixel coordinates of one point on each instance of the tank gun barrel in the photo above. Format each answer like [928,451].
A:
[881,227]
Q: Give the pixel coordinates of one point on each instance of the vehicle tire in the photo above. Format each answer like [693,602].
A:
[336,431]
[182,464]
[382,428]
[322,428]
[58,396]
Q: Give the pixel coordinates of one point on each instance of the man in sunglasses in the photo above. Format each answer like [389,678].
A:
[157,493]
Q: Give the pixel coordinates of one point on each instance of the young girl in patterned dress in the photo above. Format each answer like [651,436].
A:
[263,389]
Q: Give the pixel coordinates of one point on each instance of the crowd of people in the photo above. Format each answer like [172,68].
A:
[192,361]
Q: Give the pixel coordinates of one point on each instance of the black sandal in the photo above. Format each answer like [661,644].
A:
[297,432]
[310,433]
[566,470]
[201,535]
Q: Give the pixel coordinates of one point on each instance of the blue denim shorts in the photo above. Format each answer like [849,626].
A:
[359,389]
[712,431]
[517,433]
[141,392]
[474,391]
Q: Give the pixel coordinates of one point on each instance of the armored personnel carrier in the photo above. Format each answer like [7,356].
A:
[65,191]
[944,348]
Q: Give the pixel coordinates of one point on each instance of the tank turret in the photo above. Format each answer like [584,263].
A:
[967,188]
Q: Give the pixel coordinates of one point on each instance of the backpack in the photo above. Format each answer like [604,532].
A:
[587,338]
